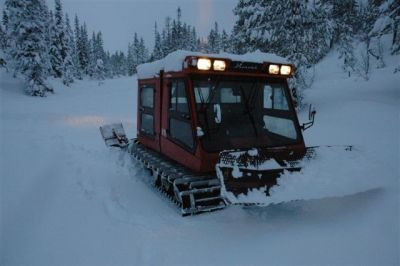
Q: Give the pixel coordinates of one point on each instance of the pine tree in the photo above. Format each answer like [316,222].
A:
[394,14]
[56,61]
[167,37]
[12,12]
[108,69]
[3,62]
[2,38]
[60,28]
[48,17]
[388,22]
[92,56]
[68,66]
[346,52]
[119,63]
[344,30]
[78,47]
[99,70]
[4,43]
[5,19]
[179,37]
[193,40]
[241,38]
[157,51]
[96,67]
[84,49]
[225,42]
[58,48]
[214,40]
[27,24]
[100,53]
[136,52]
[130,60]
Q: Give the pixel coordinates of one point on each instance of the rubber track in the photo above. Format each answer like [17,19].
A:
[180,181]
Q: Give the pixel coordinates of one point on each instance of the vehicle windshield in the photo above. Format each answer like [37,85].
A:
[244,113]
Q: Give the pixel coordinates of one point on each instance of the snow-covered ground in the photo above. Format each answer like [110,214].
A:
[67,199]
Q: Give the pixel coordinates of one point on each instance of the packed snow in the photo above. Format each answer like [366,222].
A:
[68,199]
[332,172]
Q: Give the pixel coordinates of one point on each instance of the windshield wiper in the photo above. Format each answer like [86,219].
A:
[205,105]
[247,107]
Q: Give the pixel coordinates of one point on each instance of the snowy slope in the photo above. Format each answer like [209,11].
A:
[67,199]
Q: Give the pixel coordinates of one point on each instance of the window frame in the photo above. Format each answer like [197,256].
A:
[147,110]
[289,114]
[180,116]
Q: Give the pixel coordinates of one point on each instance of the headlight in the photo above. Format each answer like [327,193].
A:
[286,70]
[273,69]
[203,64]
[219,65]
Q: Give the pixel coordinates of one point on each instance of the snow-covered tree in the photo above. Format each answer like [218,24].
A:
[137,54]
[26,26]
[2,38]
[56,61]
[345,18]
[394,14]
[76,58]
[119,63]
[193,40]
[92,56]
[225,42]
[130,60]
[99,71]
[83,49]
[68,64]
[2,47]
[174,36]
[143,53]
[157,51]
[214,40]
[58,49]
[241,38]
[5,18]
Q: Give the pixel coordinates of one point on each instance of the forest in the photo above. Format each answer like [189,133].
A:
[36,42]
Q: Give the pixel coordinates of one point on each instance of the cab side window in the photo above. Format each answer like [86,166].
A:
[146,109]
[180,126]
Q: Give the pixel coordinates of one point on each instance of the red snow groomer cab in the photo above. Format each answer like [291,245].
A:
[213,128]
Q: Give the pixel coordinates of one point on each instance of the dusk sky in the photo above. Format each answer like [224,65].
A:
[120,19]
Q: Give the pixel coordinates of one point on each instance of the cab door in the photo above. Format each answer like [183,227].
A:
[149,119]
[178,140]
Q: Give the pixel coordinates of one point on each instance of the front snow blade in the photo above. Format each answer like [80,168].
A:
[248,178]
[241,172]
[114,135]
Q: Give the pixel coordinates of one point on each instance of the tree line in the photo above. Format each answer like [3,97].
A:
[305,31]
[38,42]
